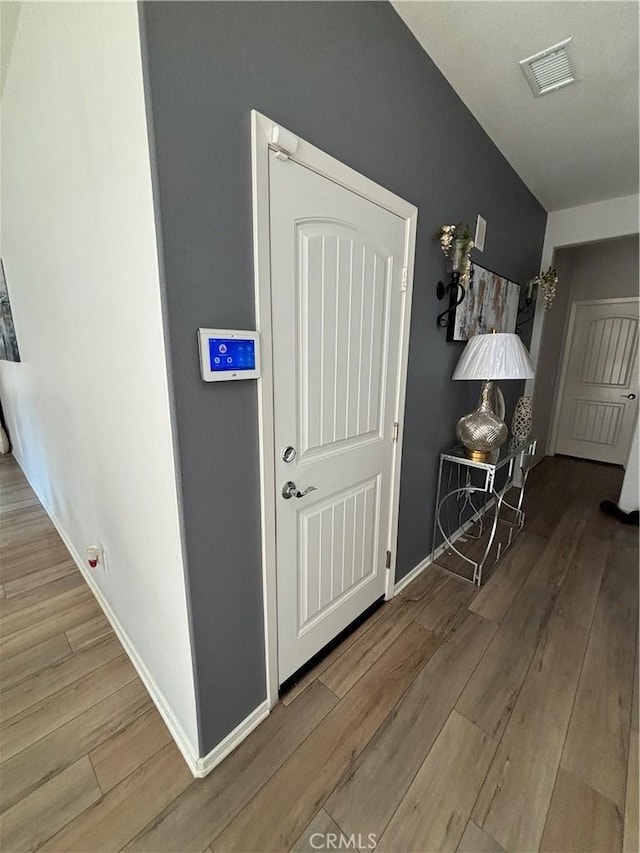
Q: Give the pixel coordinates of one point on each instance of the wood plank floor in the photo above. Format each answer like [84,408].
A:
[504,719]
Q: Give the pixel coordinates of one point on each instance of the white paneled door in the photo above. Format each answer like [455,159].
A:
[599,403]
[337,301]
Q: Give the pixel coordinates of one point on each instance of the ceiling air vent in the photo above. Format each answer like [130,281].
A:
[550,69]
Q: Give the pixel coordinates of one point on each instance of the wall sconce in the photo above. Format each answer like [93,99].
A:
[548,281]
[526,308]
[455,290]
[531,293]
[456,244]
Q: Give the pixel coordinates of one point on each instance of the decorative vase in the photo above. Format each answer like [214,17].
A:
[522,419]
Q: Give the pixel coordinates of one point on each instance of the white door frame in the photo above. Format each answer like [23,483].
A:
[266,135]
[557,403]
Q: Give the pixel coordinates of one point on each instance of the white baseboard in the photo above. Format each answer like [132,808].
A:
[199,766]
[177,732]
[412,575]
[232,740]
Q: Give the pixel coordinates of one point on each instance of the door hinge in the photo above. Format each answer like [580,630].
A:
[396,427]
[284,142]
[388,561]
[405,277]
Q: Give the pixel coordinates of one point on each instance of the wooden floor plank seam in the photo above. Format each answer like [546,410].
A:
[121,657]
[95,774]
[231,816]
[557,771]
[385,701]
[515,697]
[45,758]
[443,726]
[266,781]
[390,713]
[18,695]
[454,705]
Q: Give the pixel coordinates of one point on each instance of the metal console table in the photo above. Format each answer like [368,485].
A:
[466,482]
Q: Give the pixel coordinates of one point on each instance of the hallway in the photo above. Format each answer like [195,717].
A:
[452,719]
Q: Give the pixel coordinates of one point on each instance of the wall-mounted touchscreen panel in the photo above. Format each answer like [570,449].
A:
[228,354]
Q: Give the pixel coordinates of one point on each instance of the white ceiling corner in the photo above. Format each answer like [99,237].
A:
[571,147]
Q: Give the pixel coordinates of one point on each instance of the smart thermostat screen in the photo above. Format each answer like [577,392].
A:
[232,354]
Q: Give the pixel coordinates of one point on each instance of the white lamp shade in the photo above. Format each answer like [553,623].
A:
[494,356]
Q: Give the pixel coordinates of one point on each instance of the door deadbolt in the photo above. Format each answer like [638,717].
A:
[288,454]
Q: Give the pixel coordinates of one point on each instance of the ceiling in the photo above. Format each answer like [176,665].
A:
[574,146]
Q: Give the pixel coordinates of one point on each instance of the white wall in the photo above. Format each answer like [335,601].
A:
[630,493]
[551,353]
[88,406]
[603,220]
[573,226]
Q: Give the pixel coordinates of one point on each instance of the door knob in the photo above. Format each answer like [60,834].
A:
[290,490]
[629,396]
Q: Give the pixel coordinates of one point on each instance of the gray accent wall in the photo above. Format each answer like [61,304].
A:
[350,78]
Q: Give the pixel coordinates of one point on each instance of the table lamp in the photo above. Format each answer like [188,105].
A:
[489,357]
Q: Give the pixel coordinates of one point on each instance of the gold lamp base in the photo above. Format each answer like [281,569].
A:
[481,432]
[478,455]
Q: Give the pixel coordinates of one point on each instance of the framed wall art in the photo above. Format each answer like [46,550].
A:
[490,302]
